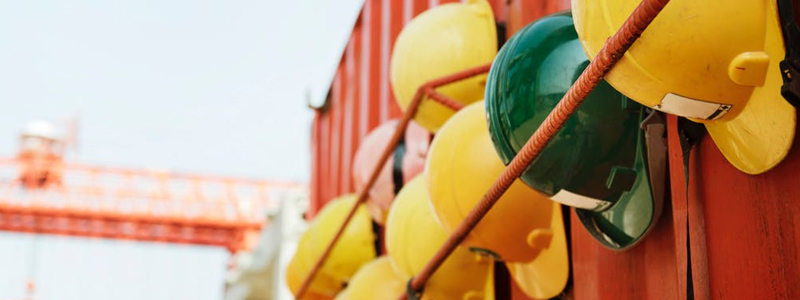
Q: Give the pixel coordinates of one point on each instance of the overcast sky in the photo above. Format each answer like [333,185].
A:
[192,85]
[205,86]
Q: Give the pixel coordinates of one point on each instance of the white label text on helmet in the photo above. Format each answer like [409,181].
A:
[692,108]
[580,201]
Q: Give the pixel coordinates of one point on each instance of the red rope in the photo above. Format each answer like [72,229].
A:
[611,53]
[425,90]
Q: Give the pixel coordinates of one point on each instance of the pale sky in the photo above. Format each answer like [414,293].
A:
[192,85]
[205,86]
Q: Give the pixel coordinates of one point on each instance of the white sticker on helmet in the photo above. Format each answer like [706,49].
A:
[692,108]
[580,201]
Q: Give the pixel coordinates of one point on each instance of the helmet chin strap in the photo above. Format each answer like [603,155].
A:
[377,231]
[655,154]
[501,34]
[397,167]
[690,135]
[655,135]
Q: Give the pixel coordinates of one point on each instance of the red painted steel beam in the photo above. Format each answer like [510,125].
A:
[140,227]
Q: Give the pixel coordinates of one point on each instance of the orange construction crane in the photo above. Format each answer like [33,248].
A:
[41,193]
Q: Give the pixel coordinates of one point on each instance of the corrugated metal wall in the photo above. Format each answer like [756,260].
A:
[744,240]
[360,95]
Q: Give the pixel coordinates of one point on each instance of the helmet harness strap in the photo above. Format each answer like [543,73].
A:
[397,168]
[690,134]
[790,66]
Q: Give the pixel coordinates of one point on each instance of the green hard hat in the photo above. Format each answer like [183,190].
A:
[599,161]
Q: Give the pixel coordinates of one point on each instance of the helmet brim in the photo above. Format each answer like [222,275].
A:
[761,136]
[546,276]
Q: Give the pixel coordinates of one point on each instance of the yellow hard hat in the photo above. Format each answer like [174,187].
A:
[355,248]
[375,280]
[296,271]
[316,297]
[524,228]
[413,235]
[443,40]
[717,64]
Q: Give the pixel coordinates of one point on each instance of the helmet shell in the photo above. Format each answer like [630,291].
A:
[694,49]
[375,280]
[524,228]
[413,235]
[717,64]
[407,160]
[595,162]
[438,42]
[296,271]
[355,247]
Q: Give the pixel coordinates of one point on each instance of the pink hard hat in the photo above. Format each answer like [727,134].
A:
[406,161]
